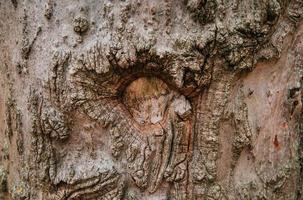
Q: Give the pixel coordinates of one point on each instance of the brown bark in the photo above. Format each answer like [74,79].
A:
[188,99]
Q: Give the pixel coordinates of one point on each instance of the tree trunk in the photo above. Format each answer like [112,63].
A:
[146,100]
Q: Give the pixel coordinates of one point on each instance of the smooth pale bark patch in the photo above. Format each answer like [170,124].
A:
[147,99]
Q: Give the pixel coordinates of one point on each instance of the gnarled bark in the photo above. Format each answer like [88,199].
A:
[188,99]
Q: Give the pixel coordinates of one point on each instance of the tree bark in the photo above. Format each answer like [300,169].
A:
[132,99]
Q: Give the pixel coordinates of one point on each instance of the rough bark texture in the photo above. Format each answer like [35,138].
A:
[151,100]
